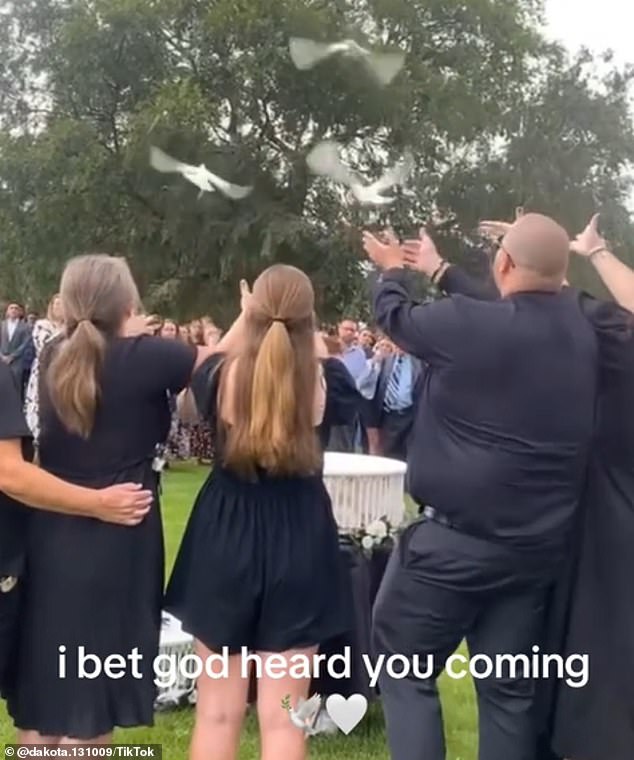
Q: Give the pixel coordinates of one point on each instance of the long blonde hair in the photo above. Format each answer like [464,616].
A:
[274,379]
[97,293]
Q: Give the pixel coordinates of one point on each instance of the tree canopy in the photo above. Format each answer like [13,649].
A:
[494,115]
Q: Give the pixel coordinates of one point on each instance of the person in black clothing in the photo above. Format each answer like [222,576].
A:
[21,481]
[497,458]
[103,409]
[596,721]
[259,565]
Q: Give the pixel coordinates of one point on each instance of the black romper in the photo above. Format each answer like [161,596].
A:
[259,565]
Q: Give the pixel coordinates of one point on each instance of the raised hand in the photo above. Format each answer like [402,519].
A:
[212,335]
[422,254]
[494,230]
[589,241]
[142,324]
[382,350]
[245,295]
[321,349]
[384,250]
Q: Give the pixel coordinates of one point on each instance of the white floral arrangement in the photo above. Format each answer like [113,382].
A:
[375,534]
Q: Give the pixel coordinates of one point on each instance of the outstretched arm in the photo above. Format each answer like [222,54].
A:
[125,504]
[456,280]
[422,256]
[426,331]
[617,276]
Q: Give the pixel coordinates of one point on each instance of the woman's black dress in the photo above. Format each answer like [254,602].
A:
[90,584]
[596,722]
[259,565]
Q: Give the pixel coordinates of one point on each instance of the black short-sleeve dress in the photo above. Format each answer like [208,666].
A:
[92,584]
[259,565]
[13,526]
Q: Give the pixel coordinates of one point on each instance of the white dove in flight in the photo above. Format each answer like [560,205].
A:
[197,175]
[325,160]
[306,54]
[309,717]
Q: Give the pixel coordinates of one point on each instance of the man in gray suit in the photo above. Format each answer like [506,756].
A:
[14,339]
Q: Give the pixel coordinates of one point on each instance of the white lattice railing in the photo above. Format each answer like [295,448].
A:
[364,488]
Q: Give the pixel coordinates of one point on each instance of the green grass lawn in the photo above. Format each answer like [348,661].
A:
[172,730]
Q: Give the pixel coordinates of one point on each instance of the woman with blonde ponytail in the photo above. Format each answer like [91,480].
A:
[259,565]
[104,385]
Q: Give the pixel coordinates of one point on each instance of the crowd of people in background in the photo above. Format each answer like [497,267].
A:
[510,401]
[385,377]
[24,334]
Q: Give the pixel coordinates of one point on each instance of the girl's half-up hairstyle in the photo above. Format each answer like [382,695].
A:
[274,379]
[97,292]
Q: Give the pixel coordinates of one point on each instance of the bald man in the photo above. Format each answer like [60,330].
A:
[496,464]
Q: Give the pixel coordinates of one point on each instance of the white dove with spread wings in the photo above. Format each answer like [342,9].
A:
[197,175]
[310,717]
[306,54]
[325,160]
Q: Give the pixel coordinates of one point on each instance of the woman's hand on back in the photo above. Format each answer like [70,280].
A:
[124,504]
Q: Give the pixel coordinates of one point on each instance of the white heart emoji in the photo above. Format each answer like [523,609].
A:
[346,714]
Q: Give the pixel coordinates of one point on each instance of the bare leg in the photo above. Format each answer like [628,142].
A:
[103,739]
[374,441]
[34,737]
[279,738]
[220,709]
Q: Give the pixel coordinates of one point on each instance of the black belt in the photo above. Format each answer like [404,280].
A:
[433,515]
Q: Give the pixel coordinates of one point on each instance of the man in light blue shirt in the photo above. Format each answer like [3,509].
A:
[389,383]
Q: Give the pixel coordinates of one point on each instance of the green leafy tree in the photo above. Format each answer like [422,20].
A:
[88,85]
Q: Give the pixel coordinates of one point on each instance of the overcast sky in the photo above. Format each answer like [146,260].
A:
[597,25]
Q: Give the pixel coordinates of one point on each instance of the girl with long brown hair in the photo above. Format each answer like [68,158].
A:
[103,410]
[259,566]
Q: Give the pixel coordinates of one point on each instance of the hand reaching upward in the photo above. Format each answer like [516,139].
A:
[383,249]
[494,230]
[245,295]
[588,241]
[422,254]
